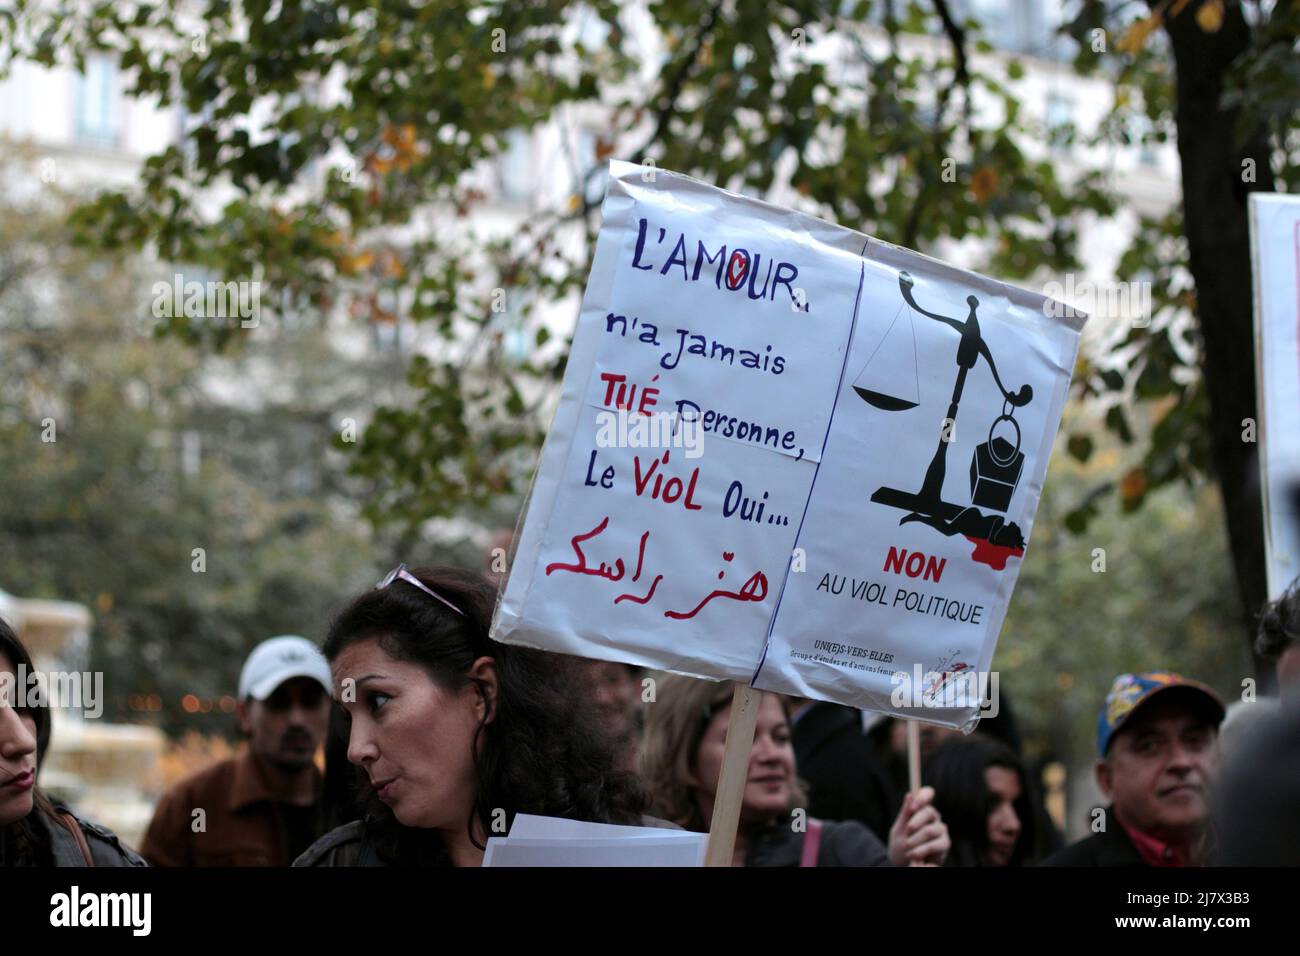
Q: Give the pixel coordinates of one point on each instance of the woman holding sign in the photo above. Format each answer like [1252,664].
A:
[454,734]
[686,732]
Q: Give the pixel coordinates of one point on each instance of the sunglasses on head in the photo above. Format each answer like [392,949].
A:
[401,573]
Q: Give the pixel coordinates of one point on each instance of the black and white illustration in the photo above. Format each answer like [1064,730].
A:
[997,464]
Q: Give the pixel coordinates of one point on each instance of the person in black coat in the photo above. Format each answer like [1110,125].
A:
[854,774]
[1257,813]
[1110,847]
[846,778]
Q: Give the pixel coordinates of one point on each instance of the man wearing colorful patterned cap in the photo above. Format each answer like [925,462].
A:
[1157,740]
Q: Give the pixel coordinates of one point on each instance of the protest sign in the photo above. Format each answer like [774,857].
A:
[821,545]
[1275,257]
[787,454]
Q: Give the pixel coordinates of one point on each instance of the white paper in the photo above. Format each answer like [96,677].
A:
[529,826]
[511,851]
[1275,246]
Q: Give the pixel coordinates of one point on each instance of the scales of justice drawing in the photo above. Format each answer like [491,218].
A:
[997,464]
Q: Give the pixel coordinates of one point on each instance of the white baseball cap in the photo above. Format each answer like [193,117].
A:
[278,659]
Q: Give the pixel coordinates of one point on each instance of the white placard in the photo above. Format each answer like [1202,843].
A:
[818,516]
[510,851]
[555,841]
[1275,255]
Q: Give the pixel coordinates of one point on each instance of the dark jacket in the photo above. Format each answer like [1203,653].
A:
[103,845]
[348,845]
[842,844]
[1110,847]
[243,822]
[845,776]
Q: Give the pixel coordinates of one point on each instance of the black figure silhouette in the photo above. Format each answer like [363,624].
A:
[995,470]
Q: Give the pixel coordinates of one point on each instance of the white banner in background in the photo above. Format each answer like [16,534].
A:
[849,442]
[1275,255]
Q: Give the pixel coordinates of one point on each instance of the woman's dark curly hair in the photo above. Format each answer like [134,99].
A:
[544,752]
[1279,623]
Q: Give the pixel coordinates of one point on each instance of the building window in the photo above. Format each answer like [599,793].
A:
[387,335]
[1060,119]
[386,322]
[191,452]
[593,31]
[997,22]
[1018,26]
[517,345]
[97,115]
[1143,131]
[516,342]
[515,167]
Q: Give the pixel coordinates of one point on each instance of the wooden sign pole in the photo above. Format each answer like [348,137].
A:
[731,781]
[913,756]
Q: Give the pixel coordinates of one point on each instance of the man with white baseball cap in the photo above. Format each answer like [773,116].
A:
[261,807]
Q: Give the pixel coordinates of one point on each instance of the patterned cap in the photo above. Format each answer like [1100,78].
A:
[1130,691]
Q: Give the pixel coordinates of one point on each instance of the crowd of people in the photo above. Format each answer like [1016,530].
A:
[434,737]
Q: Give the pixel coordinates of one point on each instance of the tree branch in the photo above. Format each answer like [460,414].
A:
[957,37]
[961,77]
[673,89]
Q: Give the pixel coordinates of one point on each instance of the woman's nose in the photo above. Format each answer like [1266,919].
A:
[1008,821]
[15,739]
[765,749]
[361,747]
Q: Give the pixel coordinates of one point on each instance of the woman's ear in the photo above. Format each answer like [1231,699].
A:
[483,672]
